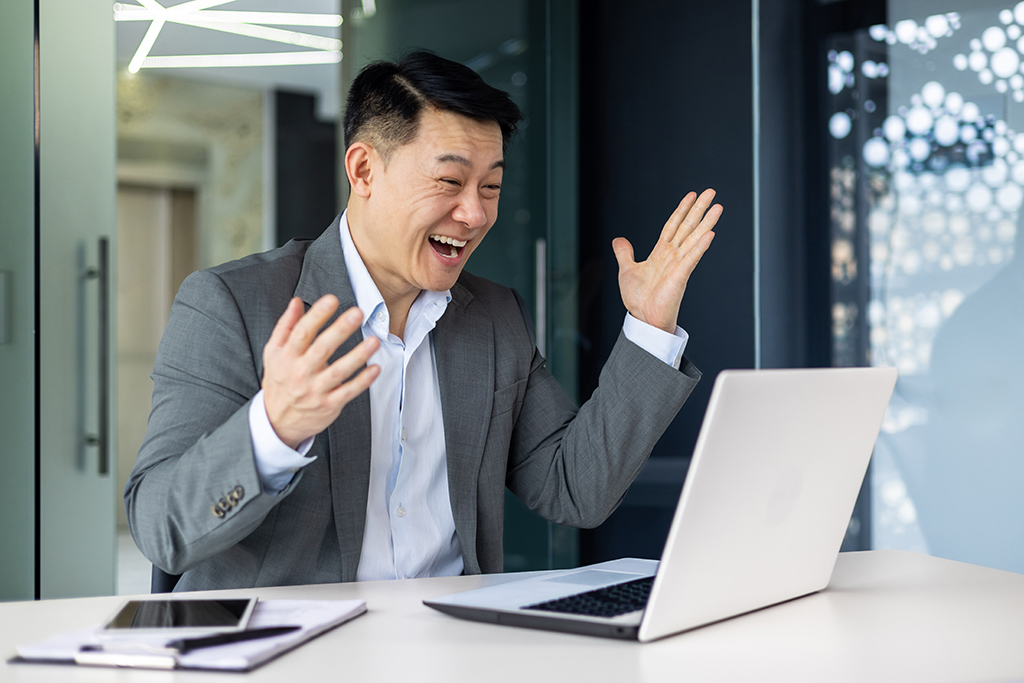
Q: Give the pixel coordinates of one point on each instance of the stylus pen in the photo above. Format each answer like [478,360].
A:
[186,645]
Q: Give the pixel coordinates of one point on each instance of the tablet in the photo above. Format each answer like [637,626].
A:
[181,617]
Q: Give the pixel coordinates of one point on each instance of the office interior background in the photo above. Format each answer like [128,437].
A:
[867,154]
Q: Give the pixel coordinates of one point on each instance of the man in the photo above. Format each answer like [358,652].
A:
[267,461]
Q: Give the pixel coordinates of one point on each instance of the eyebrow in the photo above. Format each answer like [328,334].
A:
[463,161]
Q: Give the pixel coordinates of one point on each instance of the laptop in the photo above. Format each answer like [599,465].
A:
[767,500]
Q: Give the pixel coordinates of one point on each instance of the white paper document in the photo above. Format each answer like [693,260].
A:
[149,652]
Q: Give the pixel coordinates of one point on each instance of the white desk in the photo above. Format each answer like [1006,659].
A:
[886,616]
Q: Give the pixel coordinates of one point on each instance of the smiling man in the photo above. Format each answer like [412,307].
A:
[354,407]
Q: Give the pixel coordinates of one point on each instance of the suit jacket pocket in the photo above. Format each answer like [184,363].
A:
[508,398]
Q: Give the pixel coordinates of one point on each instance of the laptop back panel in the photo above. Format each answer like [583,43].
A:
[774,477]
[769,493]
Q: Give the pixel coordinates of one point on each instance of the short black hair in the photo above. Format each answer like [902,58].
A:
[386,100]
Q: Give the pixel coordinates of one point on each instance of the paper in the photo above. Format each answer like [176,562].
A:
[314,616]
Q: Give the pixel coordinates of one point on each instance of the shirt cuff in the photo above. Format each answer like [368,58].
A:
[655,341]
[276,463]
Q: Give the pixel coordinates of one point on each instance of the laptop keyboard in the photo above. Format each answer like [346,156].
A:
[610,601]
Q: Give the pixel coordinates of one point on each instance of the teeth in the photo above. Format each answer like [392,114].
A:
[448,240]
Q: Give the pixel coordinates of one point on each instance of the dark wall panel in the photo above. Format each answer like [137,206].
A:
[783,142]
[306,151]
[666,107]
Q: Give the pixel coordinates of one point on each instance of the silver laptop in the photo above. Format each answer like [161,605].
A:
[768,496]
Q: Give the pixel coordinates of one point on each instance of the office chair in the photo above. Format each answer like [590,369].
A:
[162,582]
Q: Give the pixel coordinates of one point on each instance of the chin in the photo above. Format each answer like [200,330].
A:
[441,284]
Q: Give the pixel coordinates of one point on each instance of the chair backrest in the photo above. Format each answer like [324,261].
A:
[162,582]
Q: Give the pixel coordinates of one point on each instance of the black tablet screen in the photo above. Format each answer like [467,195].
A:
[179,614]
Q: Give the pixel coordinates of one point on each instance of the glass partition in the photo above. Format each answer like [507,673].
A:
[926,124]
[526,48]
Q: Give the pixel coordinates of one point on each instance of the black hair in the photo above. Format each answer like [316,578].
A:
[386,99]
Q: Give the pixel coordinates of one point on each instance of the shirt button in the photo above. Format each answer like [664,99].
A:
[380,315]
[401,511]
[405,435]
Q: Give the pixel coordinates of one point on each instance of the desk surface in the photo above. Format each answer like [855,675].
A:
[886,616]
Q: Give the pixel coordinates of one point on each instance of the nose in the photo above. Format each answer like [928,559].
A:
[470,210]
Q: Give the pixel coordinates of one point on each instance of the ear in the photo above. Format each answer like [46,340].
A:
[361,161]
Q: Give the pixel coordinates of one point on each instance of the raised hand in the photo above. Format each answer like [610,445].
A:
[302,392]
[653,289]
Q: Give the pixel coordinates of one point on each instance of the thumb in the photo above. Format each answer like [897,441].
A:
[623,252]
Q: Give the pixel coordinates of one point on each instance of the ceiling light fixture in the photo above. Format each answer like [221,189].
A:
[194,13]
[276,35]
[123,12]
[255,59]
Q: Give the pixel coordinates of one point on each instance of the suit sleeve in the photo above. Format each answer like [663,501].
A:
[195,490]
[574,467]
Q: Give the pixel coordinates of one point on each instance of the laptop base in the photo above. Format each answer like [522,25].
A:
[547,623]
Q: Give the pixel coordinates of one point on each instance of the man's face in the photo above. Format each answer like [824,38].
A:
[433,203]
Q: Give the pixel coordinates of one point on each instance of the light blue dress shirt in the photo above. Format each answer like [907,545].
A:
[410,531]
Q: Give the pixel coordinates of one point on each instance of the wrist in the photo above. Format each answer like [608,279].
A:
[663,325]
[277,423]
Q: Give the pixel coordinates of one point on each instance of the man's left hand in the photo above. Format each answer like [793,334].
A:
[653,289]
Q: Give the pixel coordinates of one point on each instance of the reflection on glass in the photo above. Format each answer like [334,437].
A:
[214,143]
[927,170]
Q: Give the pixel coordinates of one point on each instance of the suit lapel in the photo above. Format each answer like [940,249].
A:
[464,354]
[348,438]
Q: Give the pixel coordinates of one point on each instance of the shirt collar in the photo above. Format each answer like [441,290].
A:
[368,297]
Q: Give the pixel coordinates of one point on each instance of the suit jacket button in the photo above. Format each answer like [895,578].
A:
[239,492]
[217,512]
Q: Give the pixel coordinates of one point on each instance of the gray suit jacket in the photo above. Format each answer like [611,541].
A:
[194,501]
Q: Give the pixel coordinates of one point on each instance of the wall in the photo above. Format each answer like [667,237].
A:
[174,132]
[665,108]
[17,338]
[306,150]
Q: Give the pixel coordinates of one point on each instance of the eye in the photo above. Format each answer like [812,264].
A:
[451,181]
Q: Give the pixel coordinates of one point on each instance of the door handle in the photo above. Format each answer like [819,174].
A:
[102,436]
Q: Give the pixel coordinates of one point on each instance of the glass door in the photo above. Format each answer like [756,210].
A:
[17,302]
[77,321]
[56,276]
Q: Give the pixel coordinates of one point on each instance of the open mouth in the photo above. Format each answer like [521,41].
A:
[447,247]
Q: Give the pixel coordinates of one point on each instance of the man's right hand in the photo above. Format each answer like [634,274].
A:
[302,392]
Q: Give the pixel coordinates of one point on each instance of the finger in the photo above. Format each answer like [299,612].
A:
[623,252]
[676,219]
[286,322]
[694,216]
[328,341]
[305,331]
[347,391]
[705,226]
[342,369]
[692,257]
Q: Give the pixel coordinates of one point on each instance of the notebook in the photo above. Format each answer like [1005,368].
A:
[767,500]
[314,617]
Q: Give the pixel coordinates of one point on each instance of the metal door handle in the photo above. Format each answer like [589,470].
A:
[102,438]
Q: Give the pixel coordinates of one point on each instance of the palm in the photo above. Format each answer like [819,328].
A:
[652,290]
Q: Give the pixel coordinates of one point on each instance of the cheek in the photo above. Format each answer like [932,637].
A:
[490,206]
[481,237]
